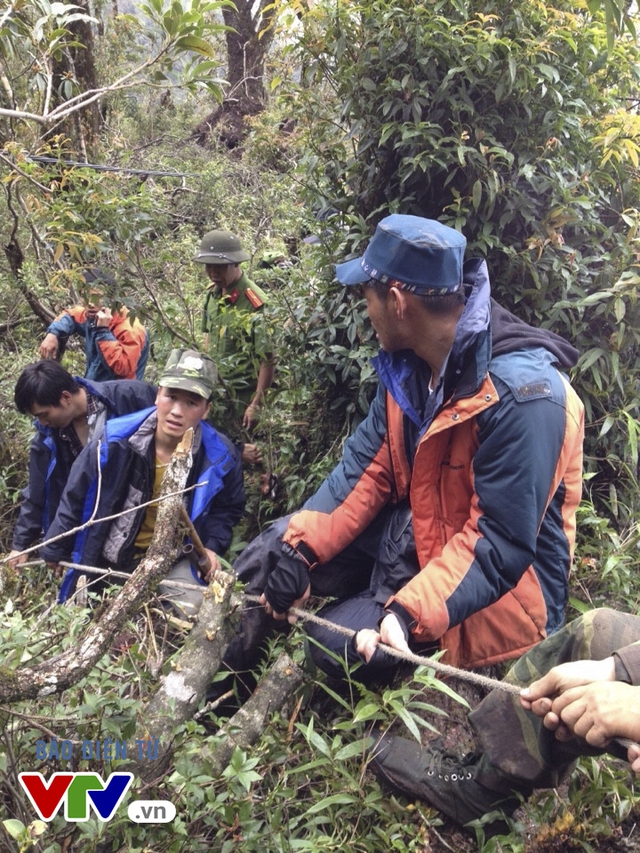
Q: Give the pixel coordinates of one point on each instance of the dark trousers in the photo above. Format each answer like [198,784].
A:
[359,579]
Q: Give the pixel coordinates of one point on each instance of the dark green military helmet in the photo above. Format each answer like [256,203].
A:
[220,247]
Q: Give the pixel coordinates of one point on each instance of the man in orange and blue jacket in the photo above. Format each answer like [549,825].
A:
[449,522]
[116,345]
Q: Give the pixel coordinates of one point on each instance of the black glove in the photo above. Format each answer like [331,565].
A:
[287,582]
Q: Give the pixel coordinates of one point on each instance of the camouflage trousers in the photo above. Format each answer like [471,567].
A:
[513,739]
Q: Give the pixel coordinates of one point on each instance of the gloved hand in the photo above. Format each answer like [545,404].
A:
[287,583]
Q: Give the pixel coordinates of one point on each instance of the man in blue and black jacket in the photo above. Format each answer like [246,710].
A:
[69,412]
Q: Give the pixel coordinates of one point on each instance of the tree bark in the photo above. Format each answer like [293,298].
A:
[247,45]
[15,257]
[62,671]
[246,52]
[193,667]
[78,64]
[247,725]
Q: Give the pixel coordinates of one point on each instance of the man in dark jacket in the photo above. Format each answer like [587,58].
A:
[580,689]
[134,453]
[69,412]
[449,522]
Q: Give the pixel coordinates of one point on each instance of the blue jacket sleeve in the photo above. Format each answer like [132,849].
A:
[65,325]
[215,526]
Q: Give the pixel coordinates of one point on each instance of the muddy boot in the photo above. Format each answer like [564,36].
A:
[464,789]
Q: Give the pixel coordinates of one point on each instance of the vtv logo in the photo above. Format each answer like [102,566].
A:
[80,792]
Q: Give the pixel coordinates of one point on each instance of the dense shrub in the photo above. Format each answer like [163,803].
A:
[503,120]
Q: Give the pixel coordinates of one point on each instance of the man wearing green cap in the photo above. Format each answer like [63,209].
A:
[134,454]
[232,321]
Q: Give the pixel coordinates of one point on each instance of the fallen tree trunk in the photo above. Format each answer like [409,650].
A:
[193,667]
[62,671]
[248,724]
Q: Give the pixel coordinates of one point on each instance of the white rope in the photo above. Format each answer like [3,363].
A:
[305,615]
[113,573]
[409,657]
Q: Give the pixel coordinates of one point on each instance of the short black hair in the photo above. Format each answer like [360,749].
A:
[98,278]
[42,383]
[440,304]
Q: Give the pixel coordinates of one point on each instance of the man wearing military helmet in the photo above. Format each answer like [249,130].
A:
[233,316]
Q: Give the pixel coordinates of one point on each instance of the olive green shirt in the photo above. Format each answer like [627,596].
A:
[236,319]
[239,338]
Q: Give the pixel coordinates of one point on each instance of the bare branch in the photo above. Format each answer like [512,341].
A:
[167,323]
[61,671]
[107,518]
[248,723]
[17,169]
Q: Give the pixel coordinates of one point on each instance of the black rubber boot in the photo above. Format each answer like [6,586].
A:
[464,789]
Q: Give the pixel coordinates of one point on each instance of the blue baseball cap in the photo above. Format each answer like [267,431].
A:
[412,253]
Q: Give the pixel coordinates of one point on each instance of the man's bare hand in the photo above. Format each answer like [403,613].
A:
[250,416]
[215,566]
[391,633]
[16,559]
[290,617]
[367,642]
[538,696]
[596,712]
[103,318]
[583,699]
[251,454]
[49,346]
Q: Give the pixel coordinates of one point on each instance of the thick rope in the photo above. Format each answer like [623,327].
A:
[305,615]
[409,657]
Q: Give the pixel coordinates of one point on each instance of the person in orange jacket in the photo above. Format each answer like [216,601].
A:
[449,522]
[116,346]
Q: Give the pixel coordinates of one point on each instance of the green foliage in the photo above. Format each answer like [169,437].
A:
[305,786]
[502,120]
[507,120]
[606,570]
[26,836]
[599,798]
[35,35]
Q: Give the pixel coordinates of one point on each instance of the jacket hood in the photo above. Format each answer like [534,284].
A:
[484,330]
[509,333]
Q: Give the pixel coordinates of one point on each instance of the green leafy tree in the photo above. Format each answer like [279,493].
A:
[38,38]
[503,120]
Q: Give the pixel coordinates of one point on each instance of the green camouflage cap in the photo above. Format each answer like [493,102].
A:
[189,370]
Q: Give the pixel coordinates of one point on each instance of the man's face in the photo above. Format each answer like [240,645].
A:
[381,311]
[223,276]
[55,417]
[93,304]
[178,410]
